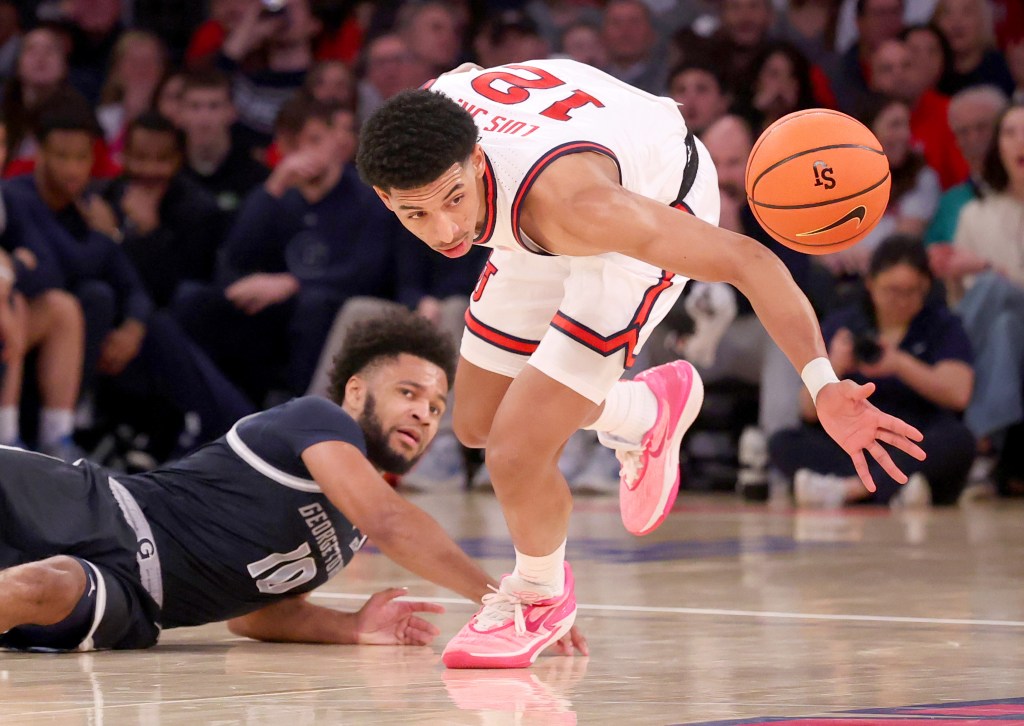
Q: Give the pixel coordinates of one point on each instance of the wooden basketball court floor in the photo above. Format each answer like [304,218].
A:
[728,613]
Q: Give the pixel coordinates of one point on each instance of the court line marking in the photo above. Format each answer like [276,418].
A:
[768,614]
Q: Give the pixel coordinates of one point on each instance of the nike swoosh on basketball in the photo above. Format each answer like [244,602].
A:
[857,213]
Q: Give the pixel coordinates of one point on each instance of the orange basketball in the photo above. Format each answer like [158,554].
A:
[817,181]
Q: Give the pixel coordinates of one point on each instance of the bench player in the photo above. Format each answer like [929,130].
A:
[598,204]
[243,528]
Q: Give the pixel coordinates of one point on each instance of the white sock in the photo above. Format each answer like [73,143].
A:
[547,572]
[55,424]
[10,428]
[629,411]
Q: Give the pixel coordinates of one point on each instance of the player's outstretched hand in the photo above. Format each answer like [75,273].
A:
[571,642]
[383,620]
[856,425]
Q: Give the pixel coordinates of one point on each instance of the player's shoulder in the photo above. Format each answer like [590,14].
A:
[310,408]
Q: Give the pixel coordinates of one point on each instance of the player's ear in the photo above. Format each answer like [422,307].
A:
[384,197]
[355,393]
[478,160]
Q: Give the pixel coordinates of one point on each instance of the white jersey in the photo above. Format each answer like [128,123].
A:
[531,113]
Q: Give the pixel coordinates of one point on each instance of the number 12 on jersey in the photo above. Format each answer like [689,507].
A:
[519,89]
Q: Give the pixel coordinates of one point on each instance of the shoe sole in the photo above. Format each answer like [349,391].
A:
[463,660]
[668,495]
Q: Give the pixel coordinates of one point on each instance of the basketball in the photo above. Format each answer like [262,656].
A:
[817,181]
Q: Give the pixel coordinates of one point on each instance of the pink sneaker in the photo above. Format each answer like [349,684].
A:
[512,629]
[649,478]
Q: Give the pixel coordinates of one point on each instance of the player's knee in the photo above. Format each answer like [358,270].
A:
[52,586]
[469,431]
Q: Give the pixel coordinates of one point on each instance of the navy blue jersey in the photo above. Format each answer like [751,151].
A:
[240,523]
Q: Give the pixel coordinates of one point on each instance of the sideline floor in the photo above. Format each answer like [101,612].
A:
[727,612]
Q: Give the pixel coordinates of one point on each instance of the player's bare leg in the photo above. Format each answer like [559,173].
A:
[40,593]
[478,393]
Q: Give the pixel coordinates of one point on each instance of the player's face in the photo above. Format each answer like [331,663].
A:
[401,407]
[447,212]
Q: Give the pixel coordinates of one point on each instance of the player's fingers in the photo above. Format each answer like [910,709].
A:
[863,391]
[426,607]
[388,595]
[423,626]
[861,466]
[579,642]
[902,443]
[885,461]
[901,427]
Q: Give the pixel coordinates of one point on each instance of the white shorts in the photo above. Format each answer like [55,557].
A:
[579,320]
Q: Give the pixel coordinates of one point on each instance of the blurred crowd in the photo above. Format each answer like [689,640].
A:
[186,239]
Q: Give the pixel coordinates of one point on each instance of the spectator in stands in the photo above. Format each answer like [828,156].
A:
[914,194]
[138,64]
[267,57]
[985,272]
[95,28]
[36,315]
[780,83]
[169,95]
[40,70]
[916,352]
[931,58]
[892,74]
[212,157]
[429,31]
[810,25]
[582,42]
[972,117]
[331,81]
[390,67]
[311,237]
[632,43]
[510,37]
[877,21]
[124,337]
[699,88]
[171,227]
[208,38]
[967,25]
[10,37]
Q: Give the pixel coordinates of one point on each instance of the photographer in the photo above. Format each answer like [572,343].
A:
[915,351]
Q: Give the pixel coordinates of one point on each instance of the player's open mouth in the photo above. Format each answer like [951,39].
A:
[455,250]
[409,436]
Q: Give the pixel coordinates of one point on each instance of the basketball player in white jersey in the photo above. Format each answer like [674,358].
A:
[599,205]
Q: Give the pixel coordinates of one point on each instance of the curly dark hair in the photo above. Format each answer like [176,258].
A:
[413,139]
[383,338]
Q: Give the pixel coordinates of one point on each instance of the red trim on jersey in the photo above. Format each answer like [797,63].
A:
[499,339]
[426,86]
[571,147]
[626,339]
[682,206]
[491,200]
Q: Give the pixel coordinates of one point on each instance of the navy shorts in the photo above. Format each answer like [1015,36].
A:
[49,508]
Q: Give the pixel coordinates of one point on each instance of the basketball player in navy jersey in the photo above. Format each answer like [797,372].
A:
[599,205]
[245,527]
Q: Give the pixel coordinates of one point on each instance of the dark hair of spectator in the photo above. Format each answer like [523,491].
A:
[899,249]
[704,66]
[994,171]
[904,176]
[65,110]
[384,339]
[207,80]
[155,121]
[801,70]
[413,139]
[299,110]
[862,7]
[947,49]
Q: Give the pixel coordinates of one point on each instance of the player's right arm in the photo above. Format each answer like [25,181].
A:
[402,531]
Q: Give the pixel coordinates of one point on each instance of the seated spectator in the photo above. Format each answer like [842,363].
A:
[10,37]
[207,39]
[429,30]
[267,57]
[389,67]
[967,25]
[931,58]
[916,353]
[95,28]
[171,227]
[138,64]
[313,236]
[877,21]
[915,189]
[972,118]
[984,272]
[780,83]
[213,158]
[168,96]
[893,74]
[331,81]
[509,37]
[582,42]
[124,337]
[699,89]
[634,55]
[810,25]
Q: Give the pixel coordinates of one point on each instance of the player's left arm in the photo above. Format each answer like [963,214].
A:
[578,207]
[382,620]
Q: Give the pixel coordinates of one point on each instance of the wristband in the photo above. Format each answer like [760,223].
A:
[817,374]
